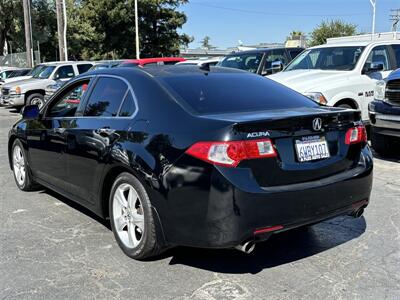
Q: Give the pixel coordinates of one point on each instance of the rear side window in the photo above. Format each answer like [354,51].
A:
[217,93]
[396,49]
[128,106]
[83,68]
[106,97]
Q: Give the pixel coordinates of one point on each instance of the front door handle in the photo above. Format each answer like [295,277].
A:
[58,130]
[104,131]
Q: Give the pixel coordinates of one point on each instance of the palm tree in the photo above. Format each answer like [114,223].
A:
[296,34]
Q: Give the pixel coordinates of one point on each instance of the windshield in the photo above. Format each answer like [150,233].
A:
[329,58]
[45,72]
[36,70]
[245,61]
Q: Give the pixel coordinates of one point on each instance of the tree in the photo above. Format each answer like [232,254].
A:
[158,24]
[296,34]
[11,24]
[97,29]
[106,28]
[329,29]
[205,42]
[44,28]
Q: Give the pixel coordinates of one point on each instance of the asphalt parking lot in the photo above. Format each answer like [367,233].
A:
[52,248]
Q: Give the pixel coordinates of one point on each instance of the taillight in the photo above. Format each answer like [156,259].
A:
[356,135]
[231,153]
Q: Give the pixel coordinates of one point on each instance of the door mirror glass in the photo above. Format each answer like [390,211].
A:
[30,112]
[376,66]
[276,66]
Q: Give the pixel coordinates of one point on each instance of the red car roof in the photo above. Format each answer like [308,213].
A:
[144,61]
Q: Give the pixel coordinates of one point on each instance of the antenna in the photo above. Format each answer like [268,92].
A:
[205,67]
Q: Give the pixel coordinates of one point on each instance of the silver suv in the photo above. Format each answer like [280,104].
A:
[32,91]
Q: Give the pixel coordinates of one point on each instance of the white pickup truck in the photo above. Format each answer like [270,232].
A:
[343,72]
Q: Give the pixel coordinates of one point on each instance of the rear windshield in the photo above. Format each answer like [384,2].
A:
[218,93]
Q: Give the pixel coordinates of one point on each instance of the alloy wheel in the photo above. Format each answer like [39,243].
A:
[19,165]
[128,216]
[37,101]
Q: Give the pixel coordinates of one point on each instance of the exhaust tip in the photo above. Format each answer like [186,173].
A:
[358,213]
[247,247]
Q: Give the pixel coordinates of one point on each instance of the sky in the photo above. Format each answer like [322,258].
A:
[257,21]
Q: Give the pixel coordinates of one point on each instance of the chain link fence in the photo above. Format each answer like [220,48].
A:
[18,60]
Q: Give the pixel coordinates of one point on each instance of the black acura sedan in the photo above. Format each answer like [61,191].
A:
[204,157]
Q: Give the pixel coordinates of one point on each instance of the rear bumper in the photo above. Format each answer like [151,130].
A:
[229,214]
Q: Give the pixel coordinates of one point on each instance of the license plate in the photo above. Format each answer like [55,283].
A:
[312,148]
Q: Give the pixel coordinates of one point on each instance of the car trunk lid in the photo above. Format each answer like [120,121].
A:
[293,132]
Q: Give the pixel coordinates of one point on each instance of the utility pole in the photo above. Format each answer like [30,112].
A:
[373,3]
[395,18]
[61,29]
[28,32]
[137,31]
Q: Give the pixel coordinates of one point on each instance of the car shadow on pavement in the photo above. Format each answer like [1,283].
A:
[14,110]
[77,207]
[389,157]
[280,249]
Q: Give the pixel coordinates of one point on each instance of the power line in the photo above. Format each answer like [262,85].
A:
[395,18]
[275,14]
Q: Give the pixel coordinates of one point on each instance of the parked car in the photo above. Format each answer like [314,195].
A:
[52,88]
[342,73]
[236,165]
[4,74]
[32,91]
[265,61]
[155,61]
[199,62]
[384,113]
[19,73]
[105,64]
[31,73]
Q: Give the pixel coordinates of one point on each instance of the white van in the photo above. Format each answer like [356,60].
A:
[343,72]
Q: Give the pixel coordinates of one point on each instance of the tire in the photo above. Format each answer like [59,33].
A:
[344,105]
[22,173]
[35,99]
[381,143]
[132,219]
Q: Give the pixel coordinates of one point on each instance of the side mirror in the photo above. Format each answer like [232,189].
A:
[276,66]
[374,67]
[30,112]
